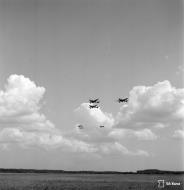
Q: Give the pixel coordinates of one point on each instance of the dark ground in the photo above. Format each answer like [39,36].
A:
[26,181]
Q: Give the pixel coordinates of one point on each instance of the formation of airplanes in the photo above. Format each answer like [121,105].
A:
[94,104]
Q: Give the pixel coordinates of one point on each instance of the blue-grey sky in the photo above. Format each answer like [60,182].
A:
[81,49]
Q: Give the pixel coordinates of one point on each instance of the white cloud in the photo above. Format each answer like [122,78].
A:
[150,109]
[143,134]
[22,123]
[105,139]
[93,117]
[158,104]
[116,147]
[20,104]
[20,97]
[42,139]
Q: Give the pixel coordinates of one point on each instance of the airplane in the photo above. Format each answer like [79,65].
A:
[94,101]
[101,126]
[93,106]
[80,126]
[122,100]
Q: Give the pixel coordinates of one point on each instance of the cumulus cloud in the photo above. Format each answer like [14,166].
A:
[20,104]
[20,97]
[22,123]
[160,104]
[94,117]
[105,139]
[143,134]
[42,139]
[149,110]
[116,147]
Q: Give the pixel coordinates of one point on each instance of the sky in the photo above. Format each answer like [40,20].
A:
[55,55]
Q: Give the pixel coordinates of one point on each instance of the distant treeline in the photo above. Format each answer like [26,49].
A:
[154,171]
[148,171]
[3,170]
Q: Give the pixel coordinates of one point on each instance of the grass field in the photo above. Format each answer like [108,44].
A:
[86,181]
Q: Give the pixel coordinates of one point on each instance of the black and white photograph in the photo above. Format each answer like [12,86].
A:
[91,95]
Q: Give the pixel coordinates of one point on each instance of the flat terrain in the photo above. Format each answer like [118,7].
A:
[27,181]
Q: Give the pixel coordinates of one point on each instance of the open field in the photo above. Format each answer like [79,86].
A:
[26,181]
